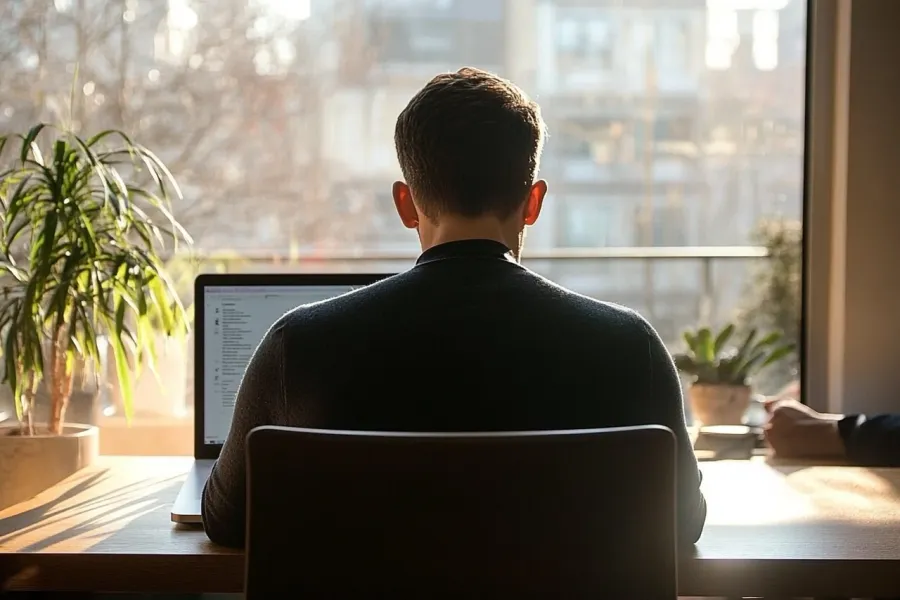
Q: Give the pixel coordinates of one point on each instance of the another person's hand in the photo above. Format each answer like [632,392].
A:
[796,431]
[789,392]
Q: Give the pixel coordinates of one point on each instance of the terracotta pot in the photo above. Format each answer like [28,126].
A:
[31,464]
[719,404]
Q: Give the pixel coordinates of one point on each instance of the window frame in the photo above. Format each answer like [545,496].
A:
[824,202]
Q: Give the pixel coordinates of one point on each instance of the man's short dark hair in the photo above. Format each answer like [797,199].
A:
[469,143]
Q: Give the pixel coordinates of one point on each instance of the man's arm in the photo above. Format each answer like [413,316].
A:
[872,441]
[259,398]
[666,394]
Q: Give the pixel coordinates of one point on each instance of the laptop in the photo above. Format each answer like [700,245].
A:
[232,313]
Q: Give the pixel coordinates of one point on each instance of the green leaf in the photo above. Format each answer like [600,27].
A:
[723,338]
[161,300]
[120,319]
[769,340]
[778,354]
[744,350]
[705,347]
[691,340]
[11,353]
[148,344]
[28,142]
[749,368]
[123,370]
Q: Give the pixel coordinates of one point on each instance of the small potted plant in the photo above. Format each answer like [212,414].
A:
[82,223]
[720,390]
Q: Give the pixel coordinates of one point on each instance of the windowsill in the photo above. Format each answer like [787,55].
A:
[169,435]
[147,435]
[147,420]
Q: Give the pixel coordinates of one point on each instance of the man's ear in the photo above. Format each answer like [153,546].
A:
[535,202]
[404,204]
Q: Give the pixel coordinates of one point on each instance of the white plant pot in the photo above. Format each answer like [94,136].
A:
[31,464]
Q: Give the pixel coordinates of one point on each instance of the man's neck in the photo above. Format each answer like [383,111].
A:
[456,229]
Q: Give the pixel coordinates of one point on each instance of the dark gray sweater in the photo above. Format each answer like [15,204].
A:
[467,340]
[872,441]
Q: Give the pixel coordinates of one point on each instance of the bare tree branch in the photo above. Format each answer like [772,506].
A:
[226,104]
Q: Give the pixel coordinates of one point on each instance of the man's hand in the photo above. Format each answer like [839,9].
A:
[796,431]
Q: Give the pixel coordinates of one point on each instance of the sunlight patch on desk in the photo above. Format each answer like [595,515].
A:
[85,512]
[736,496]
[859,494]
[753,496]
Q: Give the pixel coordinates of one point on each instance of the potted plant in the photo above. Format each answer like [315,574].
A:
[720,390]
[774,297]
[82,223]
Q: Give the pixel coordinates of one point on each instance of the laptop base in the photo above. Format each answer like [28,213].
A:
[187,506]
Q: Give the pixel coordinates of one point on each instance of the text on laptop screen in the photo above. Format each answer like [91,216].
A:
[236,319]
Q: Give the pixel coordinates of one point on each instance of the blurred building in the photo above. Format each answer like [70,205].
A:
[672,122]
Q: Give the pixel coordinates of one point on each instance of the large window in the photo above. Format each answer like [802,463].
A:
[586,43]
[671,124]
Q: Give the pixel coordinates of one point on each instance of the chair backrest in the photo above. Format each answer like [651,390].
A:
[572,514]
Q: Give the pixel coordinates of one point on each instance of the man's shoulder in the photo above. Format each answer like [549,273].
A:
[591,307]
[374,300]
[338,307]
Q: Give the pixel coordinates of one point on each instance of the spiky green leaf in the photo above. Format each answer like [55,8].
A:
[723,338]
[705,347]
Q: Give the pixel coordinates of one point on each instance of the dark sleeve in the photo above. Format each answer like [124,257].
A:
[872,441]
[667,398]
[259,398]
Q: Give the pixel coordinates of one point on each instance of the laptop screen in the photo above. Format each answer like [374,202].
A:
[235,320]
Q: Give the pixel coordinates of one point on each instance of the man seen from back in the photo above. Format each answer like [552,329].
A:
[468,340]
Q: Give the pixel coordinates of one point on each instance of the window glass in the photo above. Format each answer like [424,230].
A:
[671,124]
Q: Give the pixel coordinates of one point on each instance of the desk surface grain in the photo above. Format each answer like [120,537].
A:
[772,529]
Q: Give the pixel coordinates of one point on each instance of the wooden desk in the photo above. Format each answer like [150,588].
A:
[772,530]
